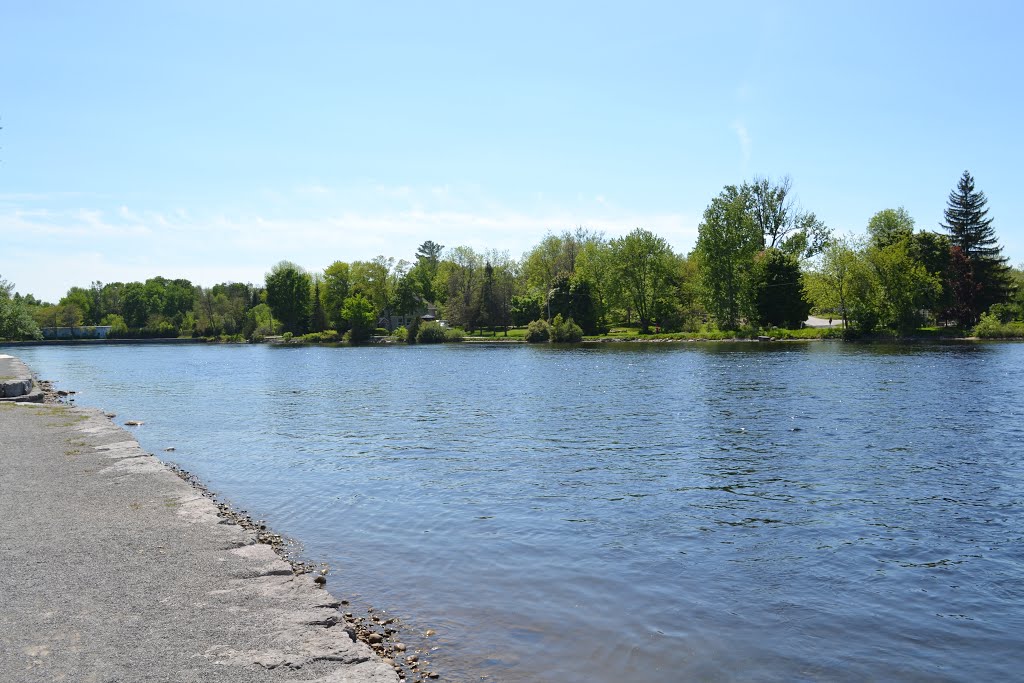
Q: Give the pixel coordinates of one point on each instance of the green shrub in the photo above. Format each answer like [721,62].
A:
[117,325]
[989,327]
[454,334]
[565,331]
[325,337]
[287,337]
[381,332]
[159,329]
[538,331]
[430,333]
[400,334]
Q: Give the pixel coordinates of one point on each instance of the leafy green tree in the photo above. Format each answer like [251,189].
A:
[260,323]
[678,303]
[727,240]
[16,320]
[573,298]
[133,305]
[288,295]
[525,308]
[188,325]
[778,290]
[359,312]
[77,305]
[907,288]
[428,258]
[933,251]
[336,290]
[643,264]
[118,328]
[583,308]
[829,286]
[542,265]
[70,315]
[110,298]
[465,277]
[888,288]
[406,298]
[506,277]
[317,316]
[489,308]
[373,280]
[890,225]
[223,308]
[178,298]
[595,266]
[783,225]
[970,229]
[556,257]
[559,299]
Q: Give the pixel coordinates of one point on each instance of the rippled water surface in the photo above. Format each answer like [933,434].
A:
[623,513]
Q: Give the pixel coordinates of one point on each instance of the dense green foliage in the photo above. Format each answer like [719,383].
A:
[538,331]
[358,311]
[289,297]
[990,327]
[760,264]
[565,331]
[16,320]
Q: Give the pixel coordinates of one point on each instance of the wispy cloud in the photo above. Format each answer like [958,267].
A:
[743,135]
[51,250]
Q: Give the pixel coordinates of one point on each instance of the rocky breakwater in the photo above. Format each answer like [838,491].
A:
[16,381]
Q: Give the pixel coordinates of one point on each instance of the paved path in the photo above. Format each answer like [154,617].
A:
[114,569]
[813,321]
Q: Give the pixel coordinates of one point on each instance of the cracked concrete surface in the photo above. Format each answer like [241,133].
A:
[114,569]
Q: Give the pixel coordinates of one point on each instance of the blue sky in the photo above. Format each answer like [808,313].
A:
[211,140]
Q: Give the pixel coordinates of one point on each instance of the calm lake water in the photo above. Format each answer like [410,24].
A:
[711,512]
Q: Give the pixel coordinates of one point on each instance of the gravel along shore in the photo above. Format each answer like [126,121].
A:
[114,568]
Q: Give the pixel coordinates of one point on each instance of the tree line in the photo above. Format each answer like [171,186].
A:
[760,261]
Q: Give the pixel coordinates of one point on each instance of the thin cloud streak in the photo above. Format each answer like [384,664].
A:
[746,145]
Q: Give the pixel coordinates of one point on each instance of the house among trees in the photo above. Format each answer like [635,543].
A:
[426,312]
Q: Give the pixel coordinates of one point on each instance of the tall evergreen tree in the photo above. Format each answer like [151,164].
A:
[970,229]
[318,317]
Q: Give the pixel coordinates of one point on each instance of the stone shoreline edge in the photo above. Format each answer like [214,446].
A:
[309,625]
[17,384]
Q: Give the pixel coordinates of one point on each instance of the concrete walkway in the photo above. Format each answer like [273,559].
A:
[114,569]
[814,321]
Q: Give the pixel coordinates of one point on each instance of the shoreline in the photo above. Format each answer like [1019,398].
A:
[500,340]
[246,607]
